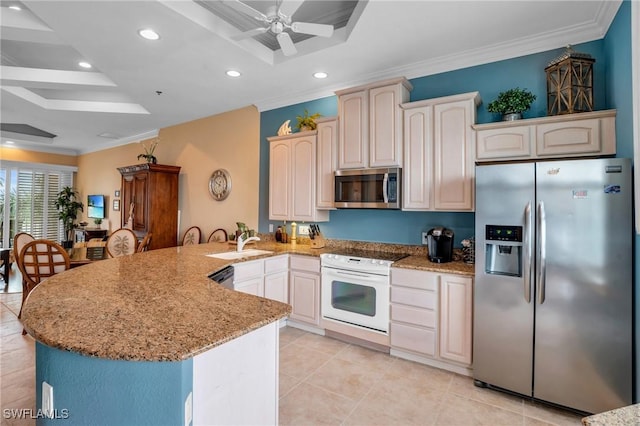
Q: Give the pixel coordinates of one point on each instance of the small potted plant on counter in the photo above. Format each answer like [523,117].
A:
[307,122]
[68,207]
[512,103]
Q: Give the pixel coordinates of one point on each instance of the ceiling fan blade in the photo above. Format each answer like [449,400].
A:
[321,30]
[289,7]
[246,9]
[250,33]
[287,46]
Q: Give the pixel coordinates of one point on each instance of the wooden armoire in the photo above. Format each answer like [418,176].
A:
[152,190]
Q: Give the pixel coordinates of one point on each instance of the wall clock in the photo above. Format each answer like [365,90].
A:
[220,184]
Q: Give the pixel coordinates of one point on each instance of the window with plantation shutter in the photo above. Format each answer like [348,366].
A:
[27,195]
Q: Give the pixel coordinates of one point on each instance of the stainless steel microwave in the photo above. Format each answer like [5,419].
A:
[368,188]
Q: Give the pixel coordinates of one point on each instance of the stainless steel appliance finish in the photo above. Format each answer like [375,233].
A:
[224,277]
[368,188]
[553,284]
[355,290]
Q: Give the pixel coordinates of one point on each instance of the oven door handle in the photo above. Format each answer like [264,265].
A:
[367,277]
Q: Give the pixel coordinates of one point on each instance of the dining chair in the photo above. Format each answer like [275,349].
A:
[219,235]
[122,242]
[192,236]
[19,241]
[38,260]
[144,244]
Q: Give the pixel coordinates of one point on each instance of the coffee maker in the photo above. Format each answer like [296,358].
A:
[440,244]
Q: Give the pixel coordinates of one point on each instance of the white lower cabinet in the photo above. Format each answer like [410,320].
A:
[304,286]
[431,318]
[456,304]
[264,277]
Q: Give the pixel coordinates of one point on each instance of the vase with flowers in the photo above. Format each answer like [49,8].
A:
[149,148]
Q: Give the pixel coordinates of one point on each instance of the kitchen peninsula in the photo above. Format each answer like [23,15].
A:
[150,339]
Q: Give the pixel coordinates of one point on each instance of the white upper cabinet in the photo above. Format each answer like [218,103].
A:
[292,178]
[560,136]
[371,128]
[326,161]
[439,169]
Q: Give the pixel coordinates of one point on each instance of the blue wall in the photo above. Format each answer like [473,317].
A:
[489,79]
[97,391]
[617,45]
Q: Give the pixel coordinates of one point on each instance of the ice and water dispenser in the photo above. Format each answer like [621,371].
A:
[503,252]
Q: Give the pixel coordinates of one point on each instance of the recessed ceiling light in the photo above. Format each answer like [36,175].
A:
[320,74]
[14,7]
[149,34]
[84,64]
[9,142]
[233,73]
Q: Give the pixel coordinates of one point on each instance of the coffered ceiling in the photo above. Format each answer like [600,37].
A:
[136,86]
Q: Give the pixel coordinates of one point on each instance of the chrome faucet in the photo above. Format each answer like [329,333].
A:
[242,240]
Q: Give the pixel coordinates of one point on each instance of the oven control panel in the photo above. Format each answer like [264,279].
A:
[354,263]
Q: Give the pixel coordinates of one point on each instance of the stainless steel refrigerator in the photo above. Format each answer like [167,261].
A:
[553,284]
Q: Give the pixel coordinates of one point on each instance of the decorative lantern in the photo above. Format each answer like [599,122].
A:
[570,83]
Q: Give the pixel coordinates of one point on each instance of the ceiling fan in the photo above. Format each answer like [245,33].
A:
[277,20]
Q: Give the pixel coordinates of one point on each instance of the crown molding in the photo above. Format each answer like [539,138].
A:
[575,34]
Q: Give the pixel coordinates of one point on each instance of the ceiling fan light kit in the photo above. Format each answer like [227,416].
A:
[277,22]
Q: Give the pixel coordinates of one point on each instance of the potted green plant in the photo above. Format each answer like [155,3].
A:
[68,207]
[306,121]
[512,103]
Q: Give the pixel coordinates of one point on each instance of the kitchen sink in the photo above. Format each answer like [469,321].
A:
[230,255]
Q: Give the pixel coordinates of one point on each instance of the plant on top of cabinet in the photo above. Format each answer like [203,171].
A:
[149,149]
[307,122]
[512,103]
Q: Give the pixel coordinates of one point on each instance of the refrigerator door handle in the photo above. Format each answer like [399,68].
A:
[527,254]
[542,271]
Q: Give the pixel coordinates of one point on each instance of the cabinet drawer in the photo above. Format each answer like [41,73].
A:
[245,270]
[413,339]
[306,263]
[414,297]
[415,316]
[413,278]
[276,264]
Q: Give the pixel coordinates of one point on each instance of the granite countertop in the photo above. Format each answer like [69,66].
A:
[160,305]
[624,416]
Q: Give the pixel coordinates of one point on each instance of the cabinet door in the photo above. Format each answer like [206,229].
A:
[326,163]
[305,297]
[456,294]
[353,141]
[385,126]
[279,183]
[253,286]
[276,286]
[507,143]
[303,174]
[417,175]
[579,137]
[454,158]
[140,190]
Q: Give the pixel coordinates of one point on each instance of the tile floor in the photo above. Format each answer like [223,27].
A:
[322,381]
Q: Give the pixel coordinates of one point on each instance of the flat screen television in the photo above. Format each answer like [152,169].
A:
[95,207]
